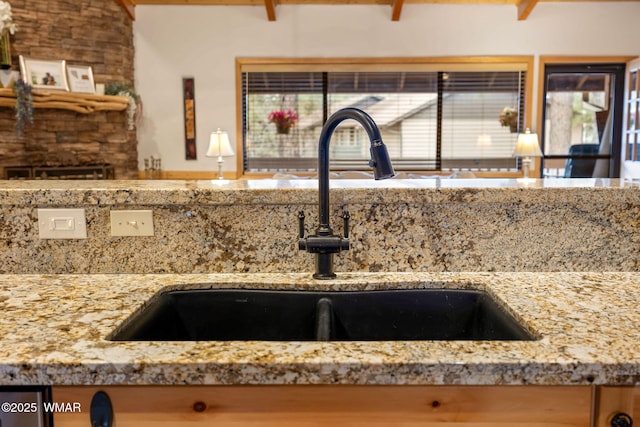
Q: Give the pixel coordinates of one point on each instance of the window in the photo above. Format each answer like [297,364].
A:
[433,116]
[632,101]
[582,120]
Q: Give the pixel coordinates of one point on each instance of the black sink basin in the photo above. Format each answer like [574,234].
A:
[417,314]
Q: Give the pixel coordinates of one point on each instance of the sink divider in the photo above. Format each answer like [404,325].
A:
[324,313]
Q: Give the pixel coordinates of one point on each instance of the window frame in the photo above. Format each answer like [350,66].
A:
[570,62]
[461,63]
[630,168]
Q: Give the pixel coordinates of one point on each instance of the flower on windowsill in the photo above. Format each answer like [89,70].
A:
[283,119]
[6,20]
[509,118]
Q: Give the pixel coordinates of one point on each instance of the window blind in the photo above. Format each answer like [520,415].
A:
[429,120]
[472,134]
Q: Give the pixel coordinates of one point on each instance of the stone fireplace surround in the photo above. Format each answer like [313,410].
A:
[56,30]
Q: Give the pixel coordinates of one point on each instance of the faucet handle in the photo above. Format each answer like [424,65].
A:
[345,218]
[301,224]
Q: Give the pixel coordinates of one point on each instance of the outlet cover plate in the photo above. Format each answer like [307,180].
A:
[132,223]
[62,224]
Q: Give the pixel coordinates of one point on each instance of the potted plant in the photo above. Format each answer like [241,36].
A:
[283,119]
[134,109]
[24,105]
[509,118]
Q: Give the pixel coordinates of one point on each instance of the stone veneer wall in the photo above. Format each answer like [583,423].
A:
[83,32]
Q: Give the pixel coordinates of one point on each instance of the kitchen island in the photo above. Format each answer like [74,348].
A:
[560,255]
[54,331]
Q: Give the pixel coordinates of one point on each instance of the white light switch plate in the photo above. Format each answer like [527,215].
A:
[132,223]
[62,224]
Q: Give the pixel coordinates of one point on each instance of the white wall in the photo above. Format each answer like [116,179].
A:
[173,42]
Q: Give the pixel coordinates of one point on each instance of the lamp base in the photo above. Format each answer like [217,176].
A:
[220,162]
[526,164]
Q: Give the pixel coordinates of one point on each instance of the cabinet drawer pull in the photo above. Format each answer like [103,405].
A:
[199,406]
[621,420]
[101,412]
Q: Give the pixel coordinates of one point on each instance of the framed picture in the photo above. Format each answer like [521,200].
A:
[40,74]
[80,79]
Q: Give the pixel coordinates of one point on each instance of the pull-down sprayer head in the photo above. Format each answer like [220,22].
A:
[380,161]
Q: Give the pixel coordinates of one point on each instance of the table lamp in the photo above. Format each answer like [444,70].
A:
[527,147]
[219,146]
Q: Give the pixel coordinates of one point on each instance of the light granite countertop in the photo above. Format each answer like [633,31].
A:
[305,191]
[53,330]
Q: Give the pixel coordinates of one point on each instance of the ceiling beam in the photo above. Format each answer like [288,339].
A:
[525,7]
[271,9]
[129,7]
[396,9]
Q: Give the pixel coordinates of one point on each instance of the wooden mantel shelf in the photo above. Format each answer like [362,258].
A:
[79,102]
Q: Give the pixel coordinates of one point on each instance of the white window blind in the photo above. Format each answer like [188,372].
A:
[472,135]
[429,120]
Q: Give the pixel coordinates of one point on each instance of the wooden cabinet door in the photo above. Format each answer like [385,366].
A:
[301,406]
[615,400]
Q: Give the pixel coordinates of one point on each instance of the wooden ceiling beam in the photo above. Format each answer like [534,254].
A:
[270,5]
[525,7]
[129,7]
[396,9]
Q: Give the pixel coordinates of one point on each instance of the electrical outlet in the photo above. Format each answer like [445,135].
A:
[132,223]
[62,224]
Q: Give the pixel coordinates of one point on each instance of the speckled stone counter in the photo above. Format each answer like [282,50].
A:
[397,225]
[53,330]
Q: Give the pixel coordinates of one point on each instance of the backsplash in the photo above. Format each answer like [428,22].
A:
[403,225]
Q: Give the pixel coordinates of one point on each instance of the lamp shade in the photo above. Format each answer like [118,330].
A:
[219,145]
[527,145]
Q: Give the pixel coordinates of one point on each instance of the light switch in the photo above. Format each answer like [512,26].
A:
[62,224]
[132,223]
